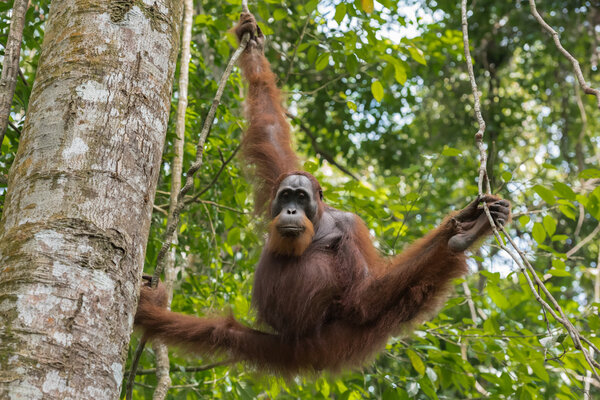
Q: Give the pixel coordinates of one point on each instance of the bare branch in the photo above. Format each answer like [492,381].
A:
[479,135]
[587,89]
[160,209]
[583,241]
[14,127]
[215,178]
[212,203]
[199,368]
[134,364]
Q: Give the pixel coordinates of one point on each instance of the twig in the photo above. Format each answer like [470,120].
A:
[587,89]
[596,299]
[215,178]
[212,203]
[14,127]
[527,212]
[521,260]
[579,155]
[134,364]
[22,77]
[480,121]
[160,209]
[199,368]
[583,241]
[470,302]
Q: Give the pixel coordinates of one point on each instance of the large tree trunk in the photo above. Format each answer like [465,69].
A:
[80,193]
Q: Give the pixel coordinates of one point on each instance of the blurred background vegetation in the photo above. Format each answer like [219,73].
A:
[382,113]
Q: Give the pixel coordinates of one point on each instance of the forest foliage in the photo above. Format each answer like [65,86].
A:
[382,111]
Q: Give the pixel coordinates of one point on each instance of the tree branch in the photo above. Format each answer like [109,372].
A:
[199,368]
[587,89]
[215,178]
[583,241]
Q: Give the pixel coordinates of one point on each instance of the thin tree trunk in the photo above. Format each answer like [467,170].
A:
[80,194]
[10,69]
[161,351]
[596,299]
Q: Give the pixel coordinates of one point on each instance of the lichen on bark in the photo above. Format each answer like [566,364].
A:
[77,211]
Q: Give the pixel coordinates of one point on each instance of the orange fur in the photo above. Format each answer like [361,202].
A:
[290,246]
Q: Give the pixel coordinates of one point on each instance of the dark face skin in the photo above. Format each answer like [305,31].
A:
[294,200]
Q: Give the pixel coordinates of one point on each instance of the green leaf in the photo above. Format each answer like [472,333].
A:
[340,386]
[322,61]
[311,54]
[310,166]
[428,389]
[412,196]
[564,190]
[590,173]
[498,297]
[367,6]
[538,232]
[506,176]
[545,193]
[568,212]
[311,6]
[538,369]
[351,105]
[279,14]
[390,394]
[323,386]
[450,152]
[559,272]
[399,70]
[416,361]
[559,238]
[549,225]
[417,55]
[377,90]
[266,29]
[400,73]
[524,220]
[340,12]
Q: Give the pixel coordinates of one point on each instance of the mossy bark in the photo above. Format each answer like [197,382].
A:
[80,193]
